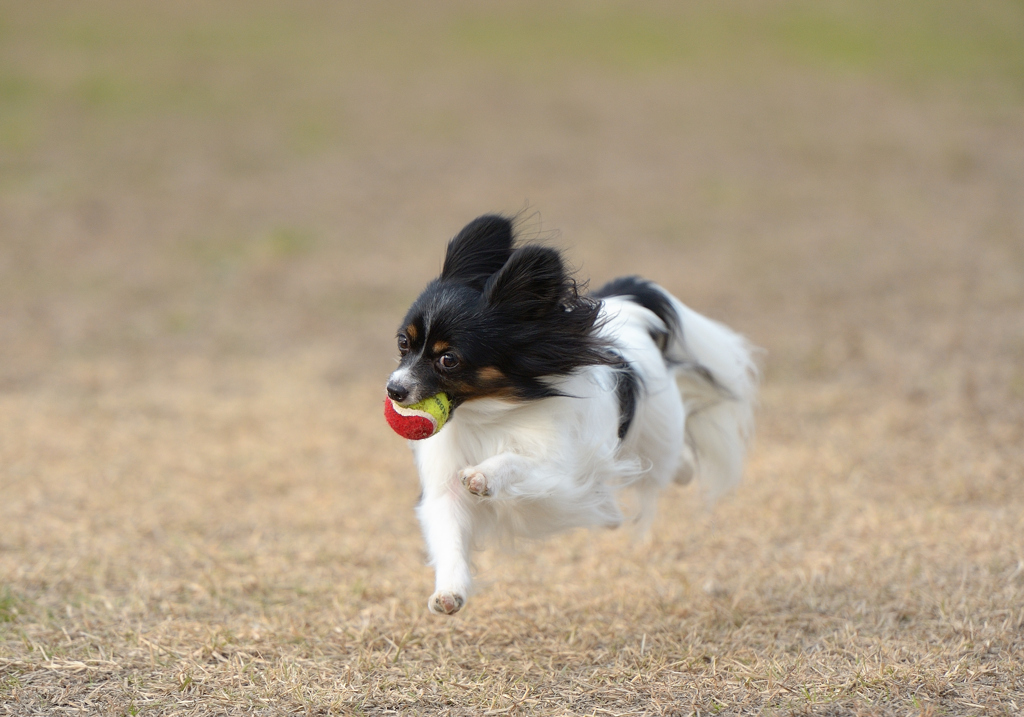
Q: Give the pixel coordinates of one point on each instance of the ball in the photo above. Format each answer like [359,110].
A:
[420,420]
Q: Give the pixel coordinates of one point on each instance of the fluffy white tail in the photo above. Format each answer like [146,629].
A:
[717,378]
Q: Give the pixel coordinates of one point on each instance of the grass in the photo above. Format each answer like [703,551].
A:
[914,41]
[212,217]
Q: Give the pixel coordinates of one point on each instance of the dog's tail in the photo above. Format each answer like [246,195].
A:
[717,379]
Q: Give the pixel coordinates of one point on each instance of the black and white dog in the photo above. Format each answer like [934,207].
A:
[559,400]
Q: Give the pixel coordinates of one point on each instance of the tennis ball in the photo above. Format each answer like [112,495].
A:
[420,420]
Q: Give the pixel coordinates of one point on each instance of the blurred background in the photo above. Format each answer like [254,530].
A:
[214,214]
[250,178]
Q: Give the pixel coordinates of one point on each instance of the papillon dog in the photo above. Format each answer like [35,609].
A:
[560,399]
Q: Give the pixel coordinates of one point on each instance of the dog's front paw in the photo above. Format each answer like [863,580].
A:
[442,603]
[475,481]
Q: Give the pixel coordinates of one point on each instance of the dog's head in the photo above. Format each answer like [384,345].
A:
[495,323]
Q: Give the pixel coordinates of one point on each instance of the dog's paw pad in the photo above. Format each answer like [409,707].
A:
[441,603]
[475,482]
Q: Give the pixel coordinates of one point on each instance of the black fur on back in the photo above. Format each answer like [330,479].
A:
[652,298]
[655,300]
[627,391]
[513,315]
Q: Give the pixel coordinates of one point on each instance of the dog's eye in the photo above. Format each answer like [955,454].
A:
[448,361]
[403,344]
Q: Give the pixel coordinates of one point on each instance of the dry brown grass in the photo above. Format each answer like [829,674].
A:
[212,217]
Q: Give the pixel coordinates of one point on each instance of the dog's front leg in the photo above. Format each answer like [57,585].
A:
[446,527]
[505,475]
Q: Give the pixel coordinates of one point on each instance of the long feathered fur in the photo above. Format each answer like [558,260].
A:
[561,400]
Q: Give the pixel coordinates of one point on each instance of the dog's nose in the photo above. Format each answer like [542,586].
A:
[397,392]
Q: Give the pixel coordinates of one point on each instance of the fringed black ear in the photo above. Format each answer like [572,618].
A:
[531,283]
[478,251]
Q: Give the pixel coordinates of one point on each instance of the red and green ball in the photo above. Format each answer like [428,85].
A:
[420,420]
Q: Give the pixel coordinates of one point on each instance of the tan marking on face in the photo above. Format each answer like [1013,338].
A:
[411,332]
[440,347]
[491,374]
[487,382]
[470,391]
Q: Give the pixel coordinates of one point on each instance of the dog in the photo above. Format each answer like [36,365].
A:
[560,400]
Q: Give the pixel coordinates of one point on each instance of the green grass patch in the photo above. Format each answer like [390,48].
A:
[9,611]
[296,63]
[911,41]
[952,40]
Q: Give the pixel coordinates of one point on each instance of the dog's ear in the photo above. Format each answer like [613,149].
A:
[531,283]
[478,251]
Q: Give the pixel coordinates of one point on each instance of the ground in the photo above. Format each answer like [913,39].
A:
[212,217]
